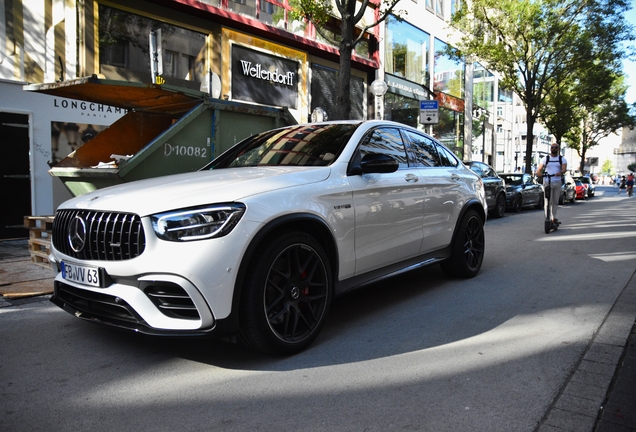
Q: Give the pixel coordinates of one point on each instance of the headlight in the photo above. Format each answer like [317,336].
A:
[197,223]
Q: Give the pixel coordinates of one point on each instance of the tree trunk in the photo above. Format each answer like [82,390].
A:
[529,139]
[342,109]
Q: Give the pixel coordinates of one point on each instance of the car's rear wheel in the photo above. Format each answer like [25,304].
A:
[467,249]
[287,295]
[500,206]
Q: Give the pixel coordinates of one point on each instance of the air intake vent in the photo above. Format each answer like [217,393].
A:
[101,236]
[172,301]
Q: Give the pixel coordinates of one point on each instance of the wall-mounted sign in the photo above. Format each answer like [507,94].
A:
[429,112]
[406,88]
[264,78]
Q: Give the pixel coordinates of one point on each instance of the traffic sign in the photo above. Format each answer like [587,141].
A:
[429,112]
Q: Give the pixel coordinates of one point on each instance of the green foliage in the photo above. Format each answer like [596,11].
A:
[631,167]
[540,48]
[607,167]
[350,14]
[315,11]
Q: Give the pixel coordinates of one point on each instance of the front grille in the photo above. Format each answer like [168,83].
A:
[109,236]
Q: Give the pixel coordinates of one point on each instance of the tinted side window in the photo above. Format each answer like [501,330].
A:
[424,150]
[385,141]
[448,159]
[490,173]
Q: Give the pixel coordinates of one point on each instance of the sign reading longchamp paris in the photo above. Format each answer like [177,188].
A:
[262,78]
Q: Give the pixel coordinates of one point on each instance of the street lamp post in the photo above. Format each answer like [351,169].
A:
[379,88]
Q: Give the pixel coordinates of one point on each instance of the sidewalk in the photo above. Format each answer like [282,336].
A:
[19,277]
[599,396]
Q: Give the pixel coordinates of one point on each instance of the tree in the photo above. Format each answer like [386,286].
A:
[534,44]
[350,13]
[607,167]
[599,121]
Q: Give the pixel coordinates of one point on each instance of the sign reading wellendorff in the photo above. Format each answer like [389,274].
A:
[263,78]
[257,71]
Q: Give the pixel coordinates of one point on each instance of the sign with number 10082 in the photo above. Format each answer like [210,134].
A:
[170,150]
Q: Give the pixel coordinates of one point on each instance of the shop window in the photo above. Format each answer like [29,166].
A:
[402,109]
[170,62]
[450,130]
[406,51]
[125,55]
[448,72]
[323,92]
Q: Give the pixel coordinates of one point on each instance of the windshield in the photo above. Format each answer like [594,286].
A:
[302,145]
[513,180]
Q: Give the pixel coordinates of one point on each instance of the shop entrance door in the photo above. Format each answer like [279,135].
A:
[15,178]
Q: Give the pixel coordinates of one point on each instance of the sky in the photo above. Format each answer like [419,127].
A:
[629,67]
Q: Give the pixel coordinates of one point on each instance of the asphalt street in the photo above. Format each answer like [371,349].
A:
[536,342]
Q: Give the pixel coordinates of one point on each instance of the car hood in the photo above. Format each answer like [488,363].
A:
[159,194]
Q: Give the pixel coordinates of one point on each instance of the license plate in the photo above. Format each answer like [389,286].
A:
[81,274]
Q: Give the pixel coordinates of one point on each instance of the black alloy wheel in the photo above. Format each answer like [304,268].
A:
[287,295]
[500,206]
[541,203]
[467,249]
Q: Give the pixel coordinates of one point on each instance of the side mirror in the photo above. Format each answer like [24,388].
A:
[375,163]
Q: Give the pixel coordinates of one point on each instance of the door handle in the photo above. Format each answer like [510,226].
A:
[455,177]
[411,178]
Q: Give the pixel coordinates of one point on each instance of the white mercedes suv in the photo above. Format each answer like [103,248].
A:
[259,242]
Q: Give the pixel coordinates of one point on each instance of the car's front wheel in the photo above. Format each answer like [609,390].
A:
[541,203]
[467,249]
[287,295]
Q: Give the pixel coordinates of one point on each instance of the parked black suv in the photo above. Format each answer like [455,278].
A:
[495,187]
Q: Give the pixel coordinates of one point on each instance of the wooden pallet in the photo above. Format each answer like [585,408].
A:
[40,230]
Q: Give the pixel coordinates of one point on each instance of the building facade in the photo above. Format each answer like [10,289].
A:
[248,51]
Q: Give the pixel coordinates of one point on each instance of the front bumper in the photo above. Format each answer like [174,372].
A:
[173,288]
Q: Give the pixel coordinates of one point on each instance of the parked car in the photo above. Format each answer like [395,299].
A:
[589,185]
[522,190]
[495,187]
[568,189]
[258,242]
[581,190]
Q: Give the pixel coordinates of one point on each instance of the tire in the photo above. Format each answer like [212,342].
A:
[287,295]
[562,198]
[541,203]
[517,204]
[467,249]
[500,206]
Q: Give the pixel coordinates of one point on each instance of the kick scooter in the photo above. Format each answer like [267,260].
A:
[548,225]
